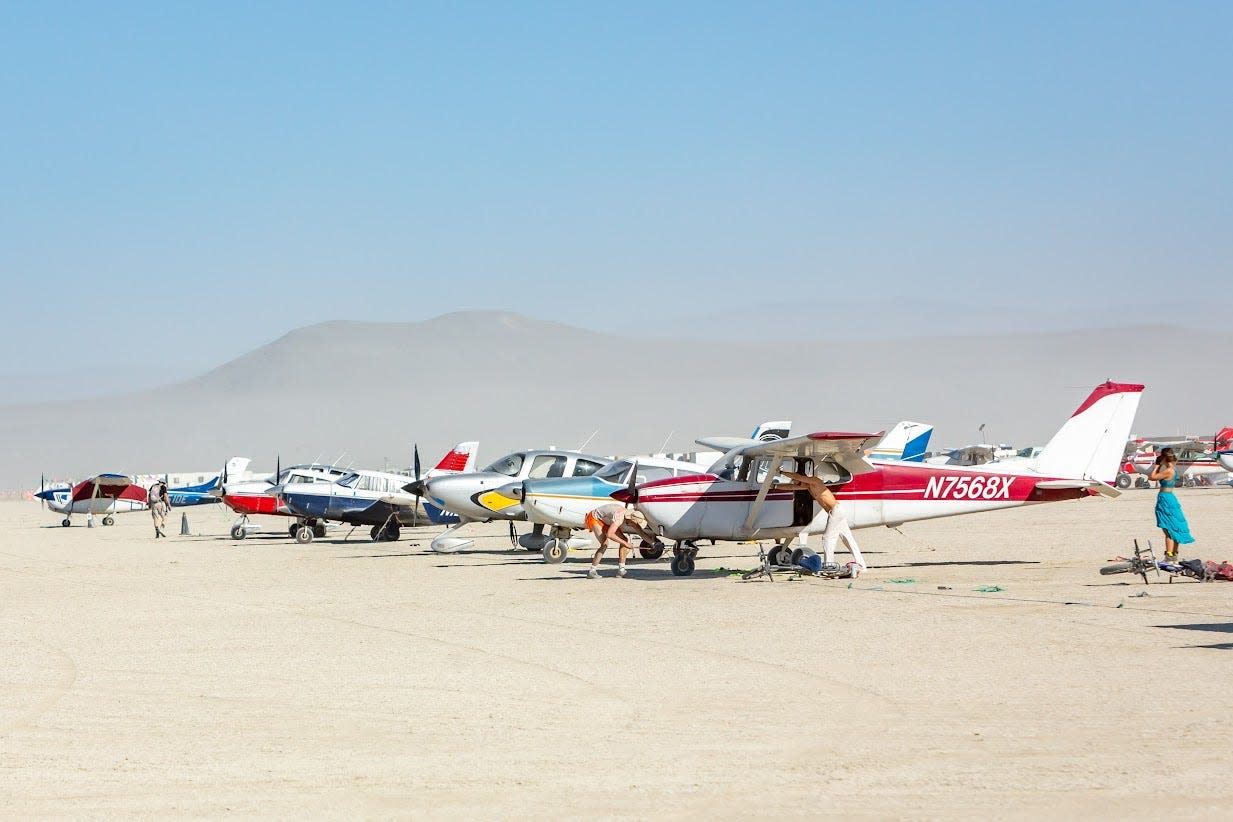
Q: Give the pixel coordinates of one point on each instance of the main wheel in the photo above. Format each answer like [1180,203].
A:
[778,555]
[319,530]
[392,533]
[555,551]
[651,550]
[238,532]
[293,529]
[66,522]
[375,533]
[1117,568]
[1124,481]
[108,521]
[304,535]
[682,566]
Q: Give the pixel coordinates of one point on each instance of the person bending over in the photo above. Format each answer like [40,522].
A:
[611,522]
[830,520]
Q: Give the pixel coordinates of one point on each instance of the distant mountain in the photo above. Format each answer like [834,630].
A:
[370,390]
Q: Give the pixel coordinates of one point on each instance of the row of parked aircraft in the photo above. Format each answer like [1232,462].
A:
[729,493]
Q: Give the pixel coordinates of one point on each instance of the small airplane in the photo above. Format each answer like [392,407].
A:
[106,494]
[374,498]
[563,504]
[110,494]
[1196,457]
[251,496]
[477,496]
[738,501]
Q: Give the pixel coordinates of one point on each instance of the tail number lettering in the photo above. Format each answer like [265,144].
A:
[977,487]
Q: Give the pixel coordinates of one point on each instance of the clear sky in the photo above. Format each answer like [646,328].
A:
[214,174]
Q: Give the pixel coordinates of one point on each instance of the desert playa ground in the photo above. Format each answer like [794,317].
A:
[200,676]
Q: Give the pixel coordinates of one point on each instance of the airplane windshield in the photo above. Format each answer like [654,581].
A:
[349,480]
[615,472]
[508,465]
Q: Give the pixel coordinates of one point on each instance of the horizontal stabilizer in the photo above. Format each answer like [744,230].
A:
[1102,488]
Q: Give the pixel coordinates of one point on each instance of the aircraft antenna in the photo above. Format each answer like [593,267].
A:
[588,439]
[663,448]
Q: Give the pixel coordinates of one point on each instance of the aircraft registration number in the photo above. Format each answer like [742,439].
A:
[978,487]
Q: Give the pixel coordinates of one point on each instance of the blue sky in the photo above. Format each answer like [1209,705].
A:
[215,174]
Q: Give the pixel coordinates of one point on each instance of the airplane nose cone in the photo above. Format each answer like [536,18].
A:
[419,488]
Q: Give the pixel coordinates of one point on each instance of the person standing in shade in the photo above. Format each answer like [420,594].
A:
[160,506]
[1169,516]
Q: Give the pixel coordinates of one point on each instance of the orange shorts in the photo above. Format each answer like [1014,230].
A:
[592,521]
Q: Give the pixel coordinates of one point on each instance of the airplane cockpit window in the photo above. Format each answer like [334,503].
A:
[349,480]
[508,465]
[585,468]
[615,472]
[650,473]
[365,484]
[548,466]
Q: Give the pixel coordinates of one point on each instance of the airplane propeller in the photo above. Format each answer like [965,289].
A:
[633,485]
[415,487]
[42,490]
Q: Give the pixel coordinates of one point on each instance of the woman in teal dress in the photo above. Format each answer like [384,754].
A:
[1169,516]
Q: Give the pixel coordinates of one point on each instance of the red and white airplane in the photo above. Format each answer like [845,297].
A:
[1196,457]
[105,494]
[738,501]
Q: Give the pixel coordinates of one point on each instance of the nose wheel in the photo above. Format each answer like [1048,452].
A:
[683,555]
[109,521]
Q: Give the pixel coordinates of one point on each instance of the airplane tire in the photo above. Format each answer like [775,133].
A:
[304,535]
[682,567]
[777,555]
[392,533]
[555,551]
[238,532]
[108,521]
[375,533]
[293,529]
[1124,481]
[651,550]
[66,522]
[318,531]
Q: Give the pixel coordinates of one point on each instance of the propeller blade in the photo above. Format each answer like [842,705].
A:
[417,462]
[42,488]
[633,484]
[278,471]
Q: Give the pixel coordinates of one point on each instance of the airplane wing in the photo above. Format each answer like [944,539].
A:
[102,485]
[399,500]
[842,447]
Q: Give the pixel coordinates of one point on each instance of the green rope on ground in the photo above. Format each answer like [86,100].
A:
[903,581]
[989,589]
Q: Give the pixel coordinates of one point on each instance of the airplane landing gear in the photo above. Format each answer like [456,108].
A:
[683,555]
[66,522]
[108,520]
[447,543]
[238,531]
[556,550]
[304,534]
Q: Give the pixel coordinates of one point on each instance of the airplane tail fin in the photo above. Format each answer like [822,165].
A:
[1091,443]
[459,460]
[772,430]
[907,441]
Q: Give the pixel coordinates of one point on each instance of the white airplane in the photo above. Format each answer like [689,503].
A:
[477,497]
[563,504]
[1196,457]
[737,500]
[250,495]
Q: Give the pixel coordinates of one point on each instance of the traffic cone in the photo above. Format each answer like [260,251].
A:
[184,532]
